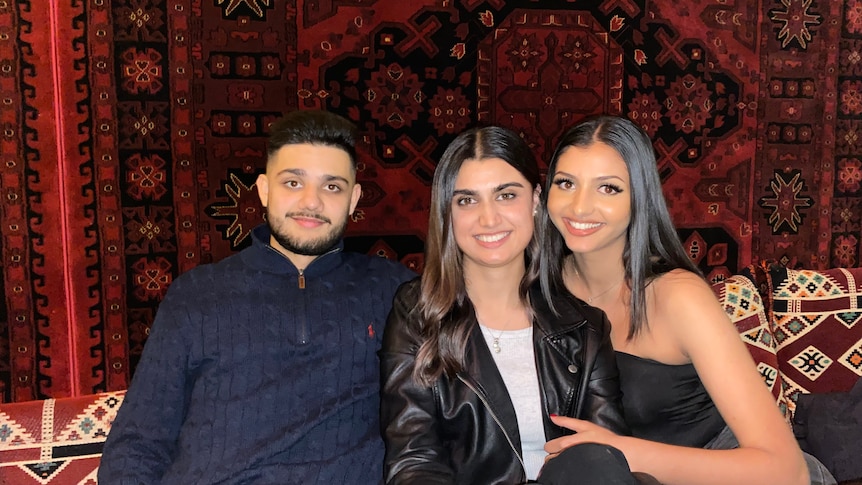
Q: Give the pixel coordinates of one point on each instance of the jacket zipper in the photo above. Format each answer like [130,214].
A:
[542,396]
[303,324]
[496,420]
[303,321]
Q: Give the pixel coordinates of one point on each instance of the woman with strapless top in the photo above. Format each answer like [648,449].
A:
[696,405]
[667,403]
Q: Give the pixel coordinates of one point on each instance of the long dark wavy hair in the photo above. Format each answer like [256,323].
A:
[446,314]
[652,244]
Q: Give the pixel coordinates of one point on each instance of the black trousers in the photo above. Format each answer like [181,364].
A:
[591,464]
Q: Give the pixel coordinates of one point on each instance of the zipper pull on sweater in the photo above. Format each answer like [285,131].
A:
[301,280]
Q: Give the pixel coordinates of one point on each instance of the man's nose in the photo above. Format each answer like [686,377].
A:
[310,198]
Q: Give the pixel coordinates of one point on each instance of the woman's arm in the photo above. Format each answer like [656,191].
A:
[408,411]
[686,310]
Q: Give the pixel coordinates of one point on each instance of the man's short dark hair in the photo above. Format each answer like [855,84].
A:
[316,127]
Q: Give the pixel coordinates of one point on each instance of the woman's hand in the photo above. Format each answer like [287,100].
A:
[585,432]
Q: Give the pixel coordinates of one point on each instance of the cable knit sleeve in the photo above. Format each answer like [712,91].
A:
[414,451]
[143,437]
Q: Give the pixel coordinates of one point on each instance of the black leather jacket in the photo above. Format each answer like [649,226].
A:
[463,430]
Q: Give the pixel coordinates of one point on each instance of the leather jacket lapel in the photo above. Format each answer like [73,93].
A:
[484,378]
[560,348]
[559,351]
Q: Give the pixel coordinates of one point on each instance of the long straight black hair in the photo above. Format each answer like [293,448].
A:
[446,314]
[652,244]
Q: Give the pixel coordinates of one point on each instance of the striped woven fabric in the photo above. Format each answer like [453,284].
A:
[57,441]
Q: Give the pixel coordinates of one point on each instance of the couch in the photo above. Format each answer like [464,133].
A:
[55,441]
[802,328]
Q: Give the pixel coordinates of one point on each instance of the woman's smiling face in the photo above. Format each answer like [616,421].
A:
[589,200]
[492,213]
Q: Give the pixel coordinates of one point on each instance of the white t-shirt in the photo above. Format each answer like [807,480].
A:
[517,365]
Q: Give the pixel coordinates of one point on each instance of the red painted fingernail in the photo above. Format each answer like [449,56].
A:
[553,415]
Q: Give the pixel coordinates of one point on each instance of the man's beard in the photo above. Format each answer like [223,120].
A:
[314,247]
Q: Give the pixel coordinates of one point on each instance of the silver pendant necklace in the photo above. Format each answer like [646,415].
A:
[495,343]
[495,339]
[592,298]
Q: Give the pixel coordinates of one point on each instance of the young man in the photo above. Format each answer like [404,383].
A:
[262,368]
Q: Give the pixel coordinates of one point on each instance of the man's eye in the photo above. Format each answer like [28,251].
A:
[333,188]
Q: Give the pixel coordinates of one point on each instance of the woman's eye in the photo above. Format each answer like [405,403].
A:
[507,196]
[610,189]
[564,184]
[464,201]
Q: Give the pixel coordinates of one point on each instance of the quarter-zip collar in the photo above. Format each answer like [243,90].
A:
[266,258]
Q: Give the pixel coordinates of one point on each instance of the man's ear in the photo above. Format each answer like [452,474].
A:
[354,197]
[262,185]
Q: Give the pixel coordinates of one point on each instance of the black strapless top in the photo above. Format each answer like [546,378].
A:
[667,403]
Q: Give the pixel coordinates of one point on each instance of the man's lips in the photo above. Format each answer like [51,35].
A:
[308,221]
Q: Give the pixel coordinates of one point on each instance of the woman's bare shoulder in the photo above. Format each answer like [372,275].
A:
[679,295]
[679,280]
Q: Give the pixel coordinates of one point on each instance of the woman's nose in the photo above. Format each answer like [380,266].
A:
[488,215]
[582,202]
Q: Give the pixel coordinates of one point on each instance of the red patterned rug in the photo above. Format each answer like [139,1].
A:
[132,131]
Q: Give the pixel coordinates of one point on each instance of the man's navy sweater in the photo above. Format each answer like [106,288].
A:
[248,378]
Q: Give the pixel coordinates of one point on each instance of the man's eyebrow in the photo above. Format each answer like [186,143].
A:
[295,171]
[326,178]
[339,178]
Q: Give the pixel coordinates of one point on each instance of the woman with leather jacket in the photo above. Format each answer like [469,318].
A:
[475,358]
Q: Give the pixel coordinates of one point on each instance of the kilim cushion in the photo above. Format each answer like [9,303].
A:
[818,334]
[56,441]
[744,305]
